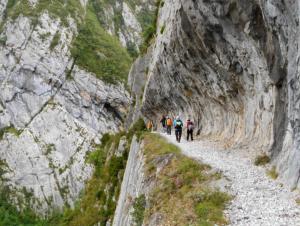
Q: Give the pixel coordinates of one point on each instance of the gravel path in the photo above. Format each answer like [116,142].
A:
[258,200]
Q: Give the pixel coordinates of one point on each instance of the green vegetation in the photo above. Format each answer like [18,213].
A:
[98,52]
[182,184]
[55,41]
[3,169]
[273,173]
[210,209]
[298,201]
[56,8]
[10,215]
[162,29]
[49,149]
[98,200]
[150,27]
[131,49]
[93,49]
[3,40]
[262,160]
[11,130]
[139,206]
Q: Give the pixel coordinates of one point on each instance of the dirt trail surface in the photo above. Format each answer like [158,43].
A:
[258,200]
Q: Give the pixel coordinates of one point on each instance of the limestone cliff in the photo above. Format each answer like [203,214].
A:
[233,67]
[62,73]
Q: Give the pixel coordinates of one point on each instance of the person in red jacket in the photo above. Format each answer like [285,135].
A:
[190,129]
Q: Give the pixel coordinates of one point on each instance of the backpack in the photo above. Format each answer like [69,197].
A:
[191,126]
[178,124]
[169,122]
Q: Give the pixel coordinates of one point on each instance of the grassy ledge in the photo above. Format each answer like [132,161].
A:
[182,183]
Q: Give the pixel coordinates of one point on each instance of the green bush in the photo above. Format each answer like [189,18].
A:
[262,160]
[211,208]
[55,41]
[11,216]
[11,130]
[138,213]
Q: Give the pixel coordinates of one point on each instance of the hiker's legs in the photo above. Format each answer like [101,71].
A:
[179,135]
[188,135]
[163,128]
[169,130]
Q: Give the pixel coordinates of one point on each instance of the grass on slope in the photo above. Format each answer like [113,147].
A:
[93,49]
[99,199]
[98,52]
[182,194]
[97,202]
[56,8]
[10,215]
[149,22]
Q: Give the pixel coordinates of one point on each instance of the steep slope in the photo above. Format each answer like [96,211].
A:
[233,67]
[162,187]
[61,79]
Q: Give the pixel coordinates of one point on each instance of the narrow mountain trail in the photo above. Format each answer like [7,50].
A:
[258,200]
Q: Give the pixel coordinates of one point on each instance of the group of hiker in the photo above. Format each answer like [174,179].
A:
[168,123]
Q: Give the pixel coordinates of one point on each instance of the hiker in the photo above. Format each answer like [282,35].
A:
[178,128]
[163,123]
[169,125]
[150,126]
[190,129]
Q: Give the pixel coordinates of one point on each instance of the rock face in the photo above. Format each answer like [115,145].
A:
[51,110]
[53,121]
[232,66]
[127,19]
[132,185]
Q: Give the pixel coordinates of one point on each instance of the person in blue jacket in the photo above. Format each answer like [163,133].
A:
[178,124]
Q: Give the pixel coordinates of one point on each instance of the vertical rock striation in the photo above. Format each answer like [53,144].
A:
[49,120]
[52,108]
[132,185]
[232,66]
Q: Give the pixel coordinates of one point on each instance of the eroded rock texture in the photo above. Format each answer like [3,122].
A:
[232,66]
[51,111]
